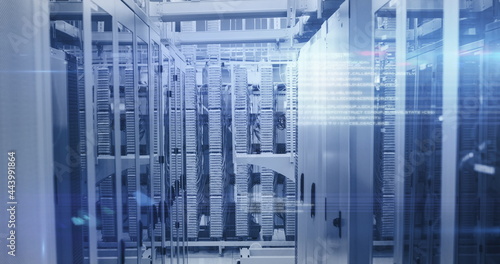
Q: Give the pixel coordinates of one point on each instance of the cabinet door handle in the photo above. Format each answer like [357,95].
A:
[337,222]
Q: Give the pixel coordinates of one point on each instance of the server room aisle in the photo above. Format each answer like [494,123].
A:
[306,131]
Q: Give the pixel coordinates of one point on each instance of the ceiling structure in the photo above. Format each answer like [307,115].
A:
[254,30]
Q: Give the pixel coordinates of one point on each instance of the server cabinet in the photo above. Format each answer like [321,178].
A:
[68,170]
[70,167]
[471,61]
[116,129]
[471,87]
[478,201]
[477,123]
[335,187]
[489,143]
[337,138]
[423,155]
[447,116]
[423,133]
[310,221]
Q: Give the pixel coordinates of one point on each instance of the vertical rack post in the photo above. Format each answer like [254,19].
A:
[399,191]
[89,133]
[152,136]
[451,64]
[137,150]
[117,137]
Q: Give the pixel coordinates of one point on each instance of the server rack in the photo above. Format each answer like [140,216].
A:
[66,103]
[488,188]
[423,137]
[115,210]
[267,146]
[192,157]
[477,124]
[471,65]
[385,119]
[219,187]
[216,187]
[241,142]
[332,178]
[423,151]
[455,144]
[291,148]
